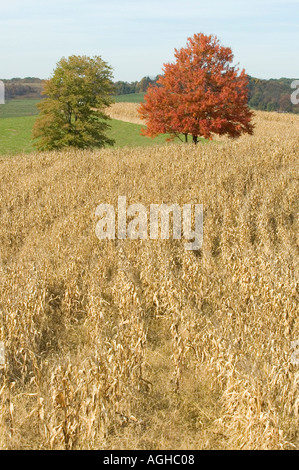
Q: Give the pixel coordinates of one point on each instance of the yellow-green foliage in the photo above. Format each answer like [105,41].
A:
[132,344]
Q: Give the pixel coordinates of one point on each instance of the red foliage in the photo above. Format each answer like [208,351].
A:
[200,94]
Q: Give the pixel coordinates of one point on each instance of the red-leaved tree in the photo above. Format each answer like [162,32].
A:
[200,94]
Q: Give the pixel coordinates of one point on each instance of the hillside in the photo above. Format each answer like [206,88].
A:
[271,95]
[16,132]
[28,88]
[140,344]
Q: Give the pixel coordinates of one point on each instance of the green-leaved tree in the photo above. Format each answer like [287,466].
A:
[73,112]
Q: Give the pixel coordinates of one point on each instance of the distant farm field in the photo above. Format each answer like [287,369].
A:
[27,107]
[15,135]
[130,98]
[18,108]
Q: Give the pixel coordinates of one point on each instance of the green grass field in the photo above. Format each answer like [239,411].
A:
[130,98]
[18,108]
[15,135]
[18,117]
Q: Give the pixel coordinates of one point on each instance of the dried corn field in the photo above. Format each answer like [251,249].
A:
[140,344]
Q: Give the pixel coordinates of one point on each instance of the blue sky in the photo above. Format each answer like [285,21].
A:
[137,37]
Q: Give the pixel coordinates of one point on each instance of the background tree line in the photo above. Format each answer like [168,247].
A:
[25,88]
[264,95]
[271,95]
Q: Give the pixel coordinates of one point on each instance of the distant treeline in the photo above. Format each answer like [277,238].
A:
[271,95]
[265,95]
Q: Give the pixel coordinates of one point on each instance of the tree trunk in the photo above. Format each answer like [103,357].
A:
[186,138]
[195,139]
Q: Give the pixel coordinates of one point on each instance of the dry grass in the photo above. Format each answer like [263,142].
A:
[125,112]
[140,344]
